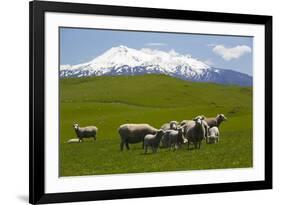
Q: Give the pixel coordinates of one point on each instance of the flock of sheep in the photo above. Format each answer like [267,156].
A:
[171,135]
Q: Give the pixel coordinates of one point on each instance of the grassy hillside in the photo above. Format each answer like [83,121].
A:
[110,101]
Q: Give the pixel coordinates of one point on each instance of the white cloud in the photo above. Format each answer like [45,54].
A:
[232,52]
[156,44]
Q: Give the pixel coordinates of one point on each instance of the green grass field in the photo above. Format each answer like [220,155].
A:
[107,102]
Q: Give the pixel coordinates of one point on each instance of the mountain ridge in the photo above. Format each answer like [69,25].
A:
[122,60]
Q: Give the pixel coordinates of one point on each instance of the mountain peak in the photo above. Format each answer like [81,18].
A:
[120,48]
[122,60]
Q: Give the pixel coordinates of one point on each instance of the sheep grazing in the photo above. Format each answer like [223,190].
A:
[173,138]
[191,123]
[213,135]
[85,132]
[153,141]
[170,126]
[73,141]
[195,133]
[134,133]
[216,121]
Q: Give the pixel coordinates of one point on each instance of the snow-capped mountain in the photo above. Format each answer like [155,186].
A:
[122,60]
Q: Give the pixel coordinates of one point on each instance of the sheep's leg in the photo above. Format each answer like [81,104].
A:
[127,146]
[170,144]
[121,146]
[173,147]
[145,149]
[206,132]
[156,148]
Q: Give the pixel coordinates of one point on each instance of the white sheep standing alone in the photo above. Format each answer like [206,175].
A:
[213,136]
[153,141]
[85,132]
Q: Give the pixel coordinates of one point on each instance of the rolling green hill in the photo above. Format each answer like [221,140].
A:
[109,101]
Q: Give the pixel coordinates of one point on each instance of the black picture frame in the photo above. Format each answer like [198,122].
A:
[37,10]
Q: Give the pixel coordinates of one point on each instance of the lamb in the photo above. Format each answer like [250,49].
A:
[195,133]
[170,126]
[173,138]
[213,135]
[153,141]
[216,121]
[85,132]
[134,133]
[191,123]
[73,141]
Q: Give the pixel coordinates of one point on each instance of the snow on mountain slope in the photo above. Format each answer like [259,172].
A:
[122,60]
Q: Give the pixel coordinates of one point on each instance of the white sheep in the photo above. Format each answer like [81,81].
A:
[85,132]
[73,141]
[195,133]
[216,121]
[213,136]
[153,141]
[170,126]
[173,138]
[191,123]
[134,133]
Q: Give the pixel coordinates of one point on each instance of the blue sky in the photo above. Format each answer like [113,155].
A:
[228,52]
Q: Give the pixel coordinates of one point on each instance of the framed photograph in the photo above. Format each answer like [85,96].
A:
[130,102]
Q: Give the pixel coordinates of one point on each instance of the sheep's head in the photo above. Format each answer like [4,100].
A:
[211,139]
[173,125]
[75,125]
[202,117]
[198,120]
[160,132]
[221,117]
